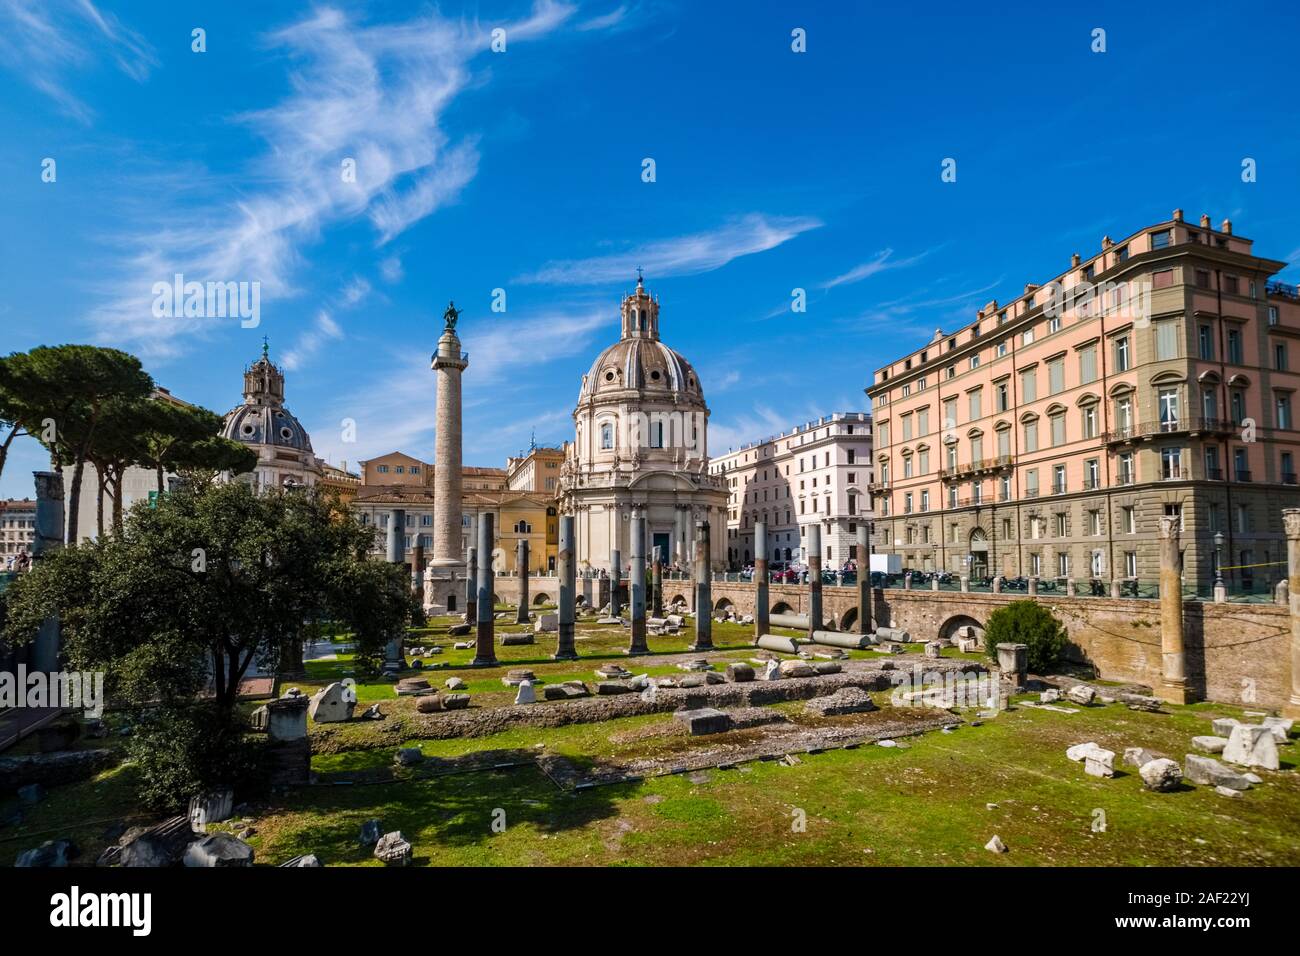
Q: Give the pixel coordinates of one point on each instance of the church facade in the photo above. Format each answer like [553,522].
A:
[641,444]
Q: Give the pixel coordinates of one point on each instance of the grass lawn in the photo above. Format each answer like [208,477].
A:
[934,801]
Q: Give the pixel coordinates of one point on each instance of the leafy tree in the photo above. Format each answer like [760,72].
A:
[200,463]
[59,394]
[1031,624]
[193,591]
[173,435]
[9,427]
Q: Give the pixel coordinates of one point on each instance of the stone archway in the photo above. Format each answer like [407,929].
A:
[724,604]
[541,599]
[780,607]
[849,620]
[679,599]
[950,628]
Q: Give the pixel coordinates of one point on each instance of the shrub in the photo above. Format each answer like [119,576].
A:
[184,750]
[1031,624]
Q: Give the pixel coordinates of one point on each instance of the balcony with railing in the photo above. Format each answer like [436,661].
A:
[1178,426]
[983,466]
[1242,474]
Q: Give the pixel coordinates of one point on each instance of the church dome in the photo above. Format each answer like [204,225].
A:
[640,361]
[263,419]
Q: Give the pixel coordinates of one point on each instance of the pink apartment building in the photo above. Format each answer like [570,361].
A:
[1047,437]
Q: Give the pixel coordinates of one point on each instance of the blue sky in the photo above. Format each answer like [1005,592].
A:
[521,170]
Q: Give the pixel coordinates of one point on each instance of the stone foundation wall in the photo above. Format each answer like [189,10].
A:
[1236,653]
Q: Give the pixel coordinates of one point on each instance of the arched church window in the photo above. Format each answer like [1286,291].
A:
[606,436]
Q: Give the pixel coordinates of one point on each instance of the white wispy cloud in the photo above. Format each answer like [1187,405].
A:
[678,256]
[374,94]
[883,262]
[391,269]
[617,17]
[46,42]
[310,342]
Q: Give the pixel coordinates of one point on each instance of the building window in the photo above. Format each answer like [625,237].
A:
[1128,519]
[1234,346]
[1160,240]
[1130,564]
[1089,413]
[1121,354]
[1171,463]
[1283,405]
[1279,356]
[1031,436]
[1091,474]
[1028,385]
[1168,406]
[1166,340]
[606,437]
[1058,429]
[1088,365]
[1055,376]
[1002,394]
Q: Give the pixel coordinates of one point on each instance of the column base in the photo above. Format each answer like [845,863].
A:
[702,647]
[637,652]
[1174,693]
[566,656]
[484,662]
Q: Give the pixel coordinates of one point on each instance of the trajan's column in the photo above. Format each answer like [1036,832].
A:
[444,580]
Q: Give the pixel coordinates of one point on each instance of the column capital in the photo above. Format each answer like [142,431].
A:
[1291,523]
[1169,527]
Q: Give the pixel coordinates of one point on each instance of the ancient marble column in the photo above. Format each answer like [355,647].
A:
[522,567]
[471,585]
[1033,586]
[396,555]
[397,536]
[657,584]
[679,538]
[703,591]
[815,616]
[636,584]
[615,576]
[447,567]
[48,538]
[566,566]
[864,578]
[416,566]
[762,607]
[1291,525]
[1173,677]
[485,649]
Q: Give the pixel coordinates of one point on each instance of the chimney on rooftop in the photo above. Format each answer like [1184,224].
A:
[1074,260]
[1205,221]
[1106,242]
[1178,215]
[1226,227]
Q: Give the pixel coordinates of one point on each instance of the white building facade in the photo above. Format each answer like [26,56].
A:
[817,473]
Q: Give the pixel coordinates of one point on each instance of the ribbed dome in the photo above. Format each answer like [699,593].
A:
[645,364]
[266,425]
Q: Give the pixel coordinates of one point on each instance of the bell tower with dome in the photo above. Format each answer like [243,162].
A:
[641,442]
